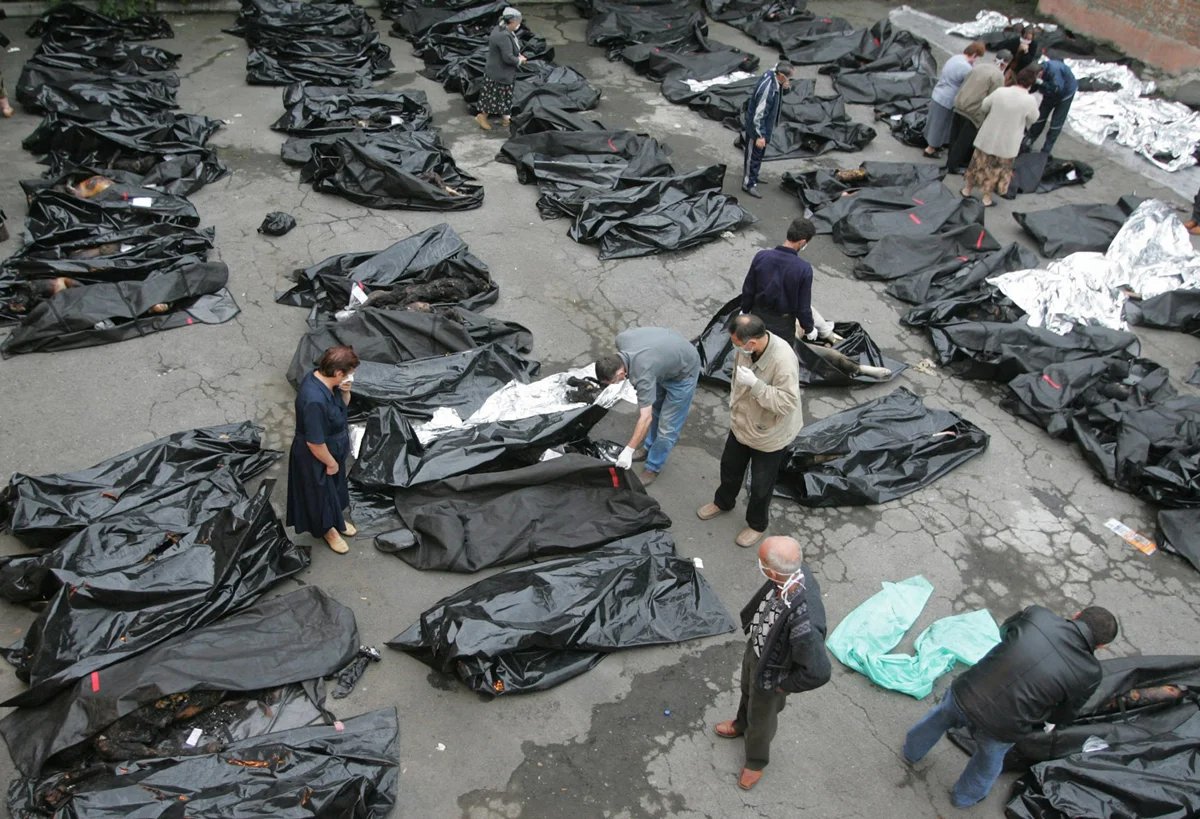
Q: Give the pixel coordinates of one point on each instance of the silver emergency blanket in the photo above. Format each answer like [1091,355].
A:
[1164,132]
[988,22]
[698,86]
[1151,254]
[516,400]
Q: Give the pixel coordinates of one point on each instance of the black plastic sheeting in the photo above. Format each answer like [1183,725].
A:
[947,280]
[819,365]
[393,336]
[876,452]
[1146,714]
[345,770]
[534,627]
[930,257]
[392,456]
[1179,533]
[329,43]
[192,578]
[1173,310]
[434,266]
[813,126]
[1073,228]
[312,110]
[567,504]
[819,189]
[918,209]
[1037,172]
[200,660]
[41,511]
[996,351]
[112,249]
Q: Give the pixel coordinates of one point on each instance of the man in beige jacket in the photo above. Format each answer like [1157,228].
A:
[764,417]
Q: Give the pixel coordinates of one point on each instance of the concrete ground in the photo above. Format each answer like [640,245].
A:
[1021,524]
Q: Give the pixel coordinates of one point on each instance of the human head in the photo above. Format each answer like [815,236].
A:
[610,369]
[511,18]
[974,51]
[748,333]
[780,558]
[800,231]
[1027,76]
[1100,622]
[783,73]
[1003,58]
[1028,33]
[337,362]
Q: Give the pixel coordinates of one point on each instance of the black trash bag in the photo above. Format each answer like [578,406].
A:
[820,188]
[391,454]
[311,110]
[384,336]
[643,155]
[715,60]
[433,257]
[545,84]
[133,253]
[914,210]
[68,21]
[876,452]
[899,257]
[350,768]
[1179,533]
[984,303]
[545,115]
[1151,451]
[458,381]
[196,577]
[992,351]
[115,311]
[1073,228]
[1173,310]
[797,31]
[1037,172]
[121,541]
[44,87]
[947,276]
[106,56]
[65,216]
[643,217]
[534,627]
[812,127]
[615,25]
[396,169]
[197,660]
[277,223]
[41,511]
[820,364]
[1052,397]
[824,45]
[874,87]
[564,505]
[349,676]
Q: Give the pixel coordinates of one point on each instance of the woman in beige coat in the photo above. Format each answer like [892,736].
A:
[1010,111]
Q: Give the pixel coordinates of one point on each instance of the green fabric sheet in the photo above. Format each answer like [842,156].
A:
[865,637]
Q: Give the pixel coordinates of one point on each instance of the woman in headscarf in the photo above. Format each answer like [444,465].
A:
[317,491]
[503,58]
[940,115]
[1010,111]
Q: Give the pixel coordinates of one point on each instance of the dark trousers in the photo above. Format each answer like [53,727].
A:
[751,162]
[782,326]
[1196,207]
[757,715]
[1055,112]
[962,144]
[764,469]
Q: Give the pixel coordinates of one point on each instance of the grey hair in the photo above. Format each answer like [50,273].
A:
[784,554]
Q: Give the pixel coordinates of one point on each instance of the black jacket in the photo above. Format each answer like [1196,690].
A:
[1043,670]
[794,656]
[502,56]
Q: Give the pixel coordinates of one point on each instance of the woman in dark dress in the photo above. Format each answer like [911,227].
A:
[500,72]
[317,491]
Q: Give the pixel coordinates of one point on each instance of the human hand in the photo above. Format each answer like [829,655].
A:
[625,459]
[345,385]
[761,142]
[331,470]
[521,58]
[811,335]
[745,376]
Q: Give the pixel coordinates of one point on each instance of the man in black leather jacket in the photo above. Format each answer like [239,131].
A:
[784,655]
[1042,671]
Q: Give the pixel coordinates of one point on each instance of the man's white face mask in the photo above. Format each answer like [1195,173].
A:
[786,585]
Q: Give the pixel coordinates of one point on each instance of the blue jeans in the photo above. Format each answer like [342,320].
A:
[671,408]
[1056,111]
[985,764]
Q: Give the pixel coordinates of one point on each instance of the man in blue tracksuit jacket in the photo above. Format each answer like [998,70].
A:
[762,112]
[1058,87]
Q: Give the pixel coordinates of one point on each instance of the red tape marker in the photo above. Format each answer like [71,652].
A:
[1050,381]
[612,470]
[979,241]
[916,219]
[95,681]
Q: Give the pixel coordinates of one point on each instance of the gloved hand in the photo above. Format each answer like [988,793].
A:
[625,459]
[745,376]
[811,335]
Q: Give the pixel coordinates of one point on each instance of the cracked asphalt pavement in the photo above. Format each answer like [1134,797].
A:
[1022,524]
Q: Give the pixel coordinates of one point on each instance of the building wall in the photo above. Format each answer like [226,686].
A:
[1162,33]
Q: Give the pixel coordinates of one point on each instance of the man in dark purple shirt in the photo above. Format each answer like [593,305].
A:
[778,286]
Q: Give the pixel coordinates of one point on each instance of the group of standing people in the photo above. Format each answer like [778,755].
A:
[986,112]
